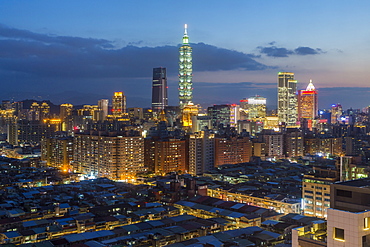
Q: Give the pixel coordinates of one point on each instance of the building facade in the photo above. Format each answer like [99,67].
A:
[201,152]
[58,152]
[287,99]
[253,107]
[108,154]
[185,71]
[159,89]
[232,150]
[118,104]
[307,103]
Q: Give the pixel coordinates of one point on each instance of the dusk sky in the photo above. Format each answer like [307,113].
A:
[81,51]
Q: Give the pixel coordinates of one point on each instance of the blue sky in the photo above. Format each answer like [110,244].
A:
[85,50]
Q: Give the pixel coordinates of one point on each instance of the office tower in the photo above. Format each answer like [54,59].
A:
[307,103]
[118,104]
[220,114]
[159,90]
[201,152]
[287,99]
[103,106]
[185,71]
[115,155]
[336,113]
[252,127]
[200,122]
[253,107]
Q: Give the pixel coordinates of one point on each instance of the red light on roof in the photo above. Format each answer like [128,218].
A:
[303,92]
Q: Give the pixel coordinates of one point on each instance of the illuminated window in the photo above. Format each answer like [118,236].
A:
[339,233]
[367,223]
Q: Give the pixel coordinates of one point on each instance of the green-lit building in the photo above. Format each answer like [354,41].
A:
[185,71]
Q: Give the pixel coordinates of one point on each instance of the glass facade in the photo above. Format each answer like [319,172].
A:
[185,71]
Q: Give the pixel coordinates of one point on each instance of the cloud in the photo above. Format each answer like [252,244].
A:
[48,56]
[303,50]
[274,51]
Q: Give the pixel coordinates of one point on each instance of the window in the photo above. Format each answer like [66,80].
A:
[339,233]
[367,223]
[344,193]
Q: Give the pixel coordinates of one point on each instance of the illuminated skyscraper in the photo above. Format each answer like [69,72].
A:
[287,99]
[103,106]
[185,71]
[336,113]
[119,104]
[254,107]
[307,103]
[66,116]
[159,90]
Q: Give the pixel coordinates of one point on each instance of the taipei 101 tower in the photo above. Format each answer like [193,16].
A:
[185,71]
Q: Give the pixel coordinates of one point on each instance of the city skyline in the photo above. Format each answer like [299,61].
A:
[234,56]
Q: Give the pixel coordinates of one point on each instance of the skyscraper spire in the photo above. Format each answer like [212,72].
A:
[185,38]
[185,71]
[310,86]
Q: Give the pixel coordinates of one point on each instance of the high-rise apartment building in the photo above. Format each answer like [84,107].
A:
[166,155]
[293,143]
[274,144]
[201,152]
[103,107]
[108,154]
[185,71]
[159,90]
[336,113]
[307,103]
[287,99]
[66,116]
[232,150]
[57,152]
[25,131]
[118,104]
